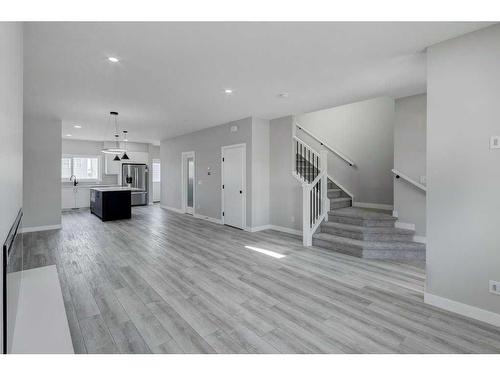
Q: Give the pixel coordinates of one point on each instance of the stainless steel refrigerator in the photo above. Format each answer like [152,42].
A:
[136,176]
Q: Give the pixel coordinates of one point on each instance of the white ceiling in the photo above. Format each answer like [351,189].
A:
[171,76]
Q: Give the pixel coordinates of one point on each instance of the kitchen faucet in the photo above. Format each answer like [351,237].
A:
[73,178]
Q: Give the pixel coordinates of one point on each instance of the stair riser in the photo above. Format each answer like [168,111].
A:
[361,222]
[371,254]
[338,205]
[384,237]
[339,249]
[334,194]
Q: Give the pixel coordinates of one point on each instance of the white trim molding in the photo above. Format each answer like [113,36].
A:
[174,209]
[41,228]
[421,239]
[295,232]
[403,225]
[341,187]
[208,218]
[386,207]
[463,309]
[184,159]
[259,228]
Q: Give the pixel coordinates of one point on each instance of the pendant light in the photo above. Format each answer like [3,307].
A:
[125,140]
[117,150]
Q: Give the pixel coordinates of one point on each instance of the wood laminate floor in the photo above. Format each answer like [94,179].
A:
[164,282]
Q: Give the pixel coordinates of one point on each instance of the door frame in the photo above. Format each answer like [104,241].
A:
[184,156]
[244,183]
[158,161]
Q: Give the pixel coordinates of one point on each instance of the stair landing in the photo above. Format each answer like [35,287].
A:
[367,233]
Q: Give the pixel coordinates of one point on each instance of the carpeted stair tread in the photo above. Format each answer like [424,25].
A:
[370,245]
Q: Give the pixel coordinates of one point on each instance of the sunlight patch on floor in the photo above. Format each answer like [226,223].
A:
[267,252]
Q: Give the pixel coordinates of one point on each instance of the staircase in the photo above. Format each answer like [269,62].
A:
[360,232]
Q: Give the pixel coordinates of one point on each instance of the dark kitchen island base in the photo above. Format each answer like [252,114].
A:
[111,204]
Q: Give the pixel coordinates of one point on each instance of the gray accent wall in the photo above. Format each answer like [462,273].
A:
[285,191]
[362,131]
[207,145]
[11,130]
[42,171]
[463,174]
[410,159]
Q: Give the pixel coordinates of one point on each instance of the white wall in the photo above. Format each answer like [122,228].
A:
[11,130]
[362,131]
[463,174]
[410,159]
[260,172]
[42,172]
[285,191]
[83,147]
[207,145]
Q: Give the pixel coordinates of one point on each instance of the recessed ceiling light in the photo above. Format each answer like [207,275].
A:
[113,59]
[77,126]
[283,95]
[68,135]
[228,91]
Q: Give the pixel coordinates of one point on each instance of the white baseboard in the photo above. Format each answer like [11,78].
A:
[402,225]
[258,229]
[463,309]
[421,239]
[295,232]
[377,206]
[40,228]
[208,218]
[174,209]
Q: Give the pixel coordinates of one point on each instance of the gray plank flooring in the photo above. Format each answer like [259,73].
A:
[164,282]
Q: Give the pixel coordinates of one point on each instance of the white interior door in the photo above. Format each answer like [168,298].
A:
[234,187]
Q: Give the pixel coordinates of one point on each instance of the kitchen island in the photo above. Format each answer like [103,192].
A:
[111,203]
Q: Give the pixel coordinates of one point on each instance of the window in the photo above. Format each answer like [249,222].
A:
[83,167]
[156,171]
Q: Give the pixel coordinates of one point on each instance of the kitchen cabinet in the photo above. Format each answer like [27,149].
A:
[75,197]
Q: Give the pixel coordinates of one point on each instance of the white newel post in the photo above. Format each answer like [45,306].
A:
[325,202]
[306,206]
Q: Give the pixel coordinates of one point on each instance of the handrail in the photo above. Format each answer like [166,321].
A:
[408,179]
[338,153]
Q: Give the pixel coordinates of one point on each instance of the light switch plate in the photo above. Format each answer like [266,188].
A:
[494,287]
[495,141]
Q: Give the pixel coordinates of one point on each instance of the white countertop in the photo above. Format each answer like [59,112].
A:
[115,188]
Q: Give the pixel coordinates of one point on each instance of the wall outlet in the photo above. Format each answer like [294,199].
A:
[495,287]
[495,141]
